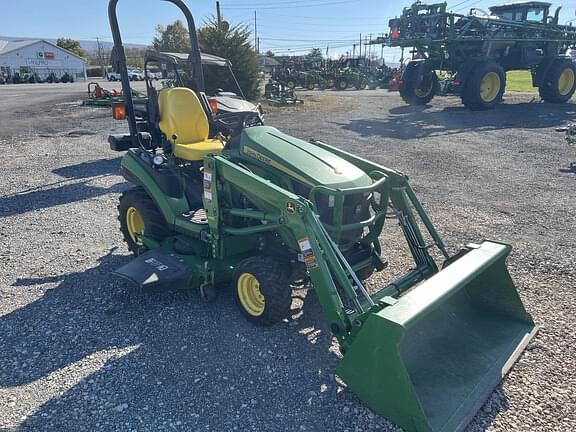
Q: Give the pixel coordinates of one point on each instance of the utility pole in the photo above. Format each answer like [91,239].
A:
[360,46]
[218,14]
[353,49]
[382,51]
[255,34]
[101,57]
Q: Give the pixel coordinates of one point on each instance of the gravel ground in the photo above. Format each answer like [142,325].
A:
[79,354]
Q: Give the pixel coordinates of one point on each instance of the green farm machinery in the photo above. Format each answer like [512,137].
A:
[221,200]
[105,97]
[476,50]
[277,94]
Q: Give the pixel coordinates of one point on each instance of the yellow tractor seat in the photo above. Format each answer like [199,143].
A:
[184,122]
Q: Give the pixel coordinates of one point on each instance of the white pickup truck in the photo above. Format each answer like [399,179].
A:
[112,76]
[133,74]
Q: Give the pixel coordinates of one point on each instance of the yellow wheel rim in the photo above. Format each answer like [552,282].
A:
[330,83]
[566,81]
[343,85]
[490,86]
[249,294]
[135,224]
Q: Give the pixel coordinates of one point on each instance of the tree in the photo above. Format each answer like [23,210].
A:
[315,55]
[172,38]
[232,43]
[269,53]
[72,46]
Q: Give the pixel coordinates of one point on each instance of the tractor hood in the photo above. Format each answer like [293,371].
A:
[300,159]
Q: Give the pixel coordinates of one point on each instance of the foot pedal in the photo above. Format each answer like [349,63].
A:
[156,270]
[197,217]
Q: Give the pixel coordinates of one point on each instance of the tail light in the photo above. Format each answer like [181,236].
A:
[119,111]
[213,105]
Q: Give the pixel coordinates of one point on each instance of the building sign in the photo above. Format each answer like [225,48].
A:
[48,55]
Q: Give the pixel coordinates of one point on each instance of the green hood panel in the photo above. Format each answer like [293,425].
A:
[300,159]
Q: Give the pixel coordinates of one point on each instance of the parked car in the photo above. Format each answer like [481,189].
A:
[135,75]
[153,75]
[112,76]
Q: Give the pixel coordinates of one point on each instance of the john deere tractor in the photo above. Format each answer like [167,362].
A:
[476,50]
[220,200]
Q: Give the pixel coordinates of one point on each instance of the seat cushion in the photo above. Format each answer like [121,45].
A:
[182,115]
[197,150]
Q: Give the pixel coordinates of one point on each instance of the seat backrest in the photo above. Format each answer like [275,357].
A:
[182,114]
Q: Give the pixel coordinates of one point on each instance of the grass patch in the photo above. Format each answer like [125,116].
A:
[520,81]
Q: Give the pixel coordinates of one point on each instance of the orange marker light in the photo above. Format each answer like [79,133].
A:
[213,105]
[119,111]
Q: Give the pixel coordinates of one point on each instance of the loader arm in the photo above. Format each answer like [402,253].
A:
[345,301]
[427,349]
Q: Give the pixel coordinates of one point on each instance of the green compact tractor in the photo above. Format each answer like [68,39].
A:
[476,50]
[221,200]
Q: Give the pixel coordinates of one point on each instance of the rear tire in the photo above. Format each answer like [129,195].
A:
[291,84]
[419,85]
[559,83]
[262,290]
[341,84]
[138,213]
[484,86]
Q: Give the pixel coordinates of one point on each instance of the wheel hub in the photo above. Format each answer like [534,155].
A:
[135,224]
[249,294]
[490,86]
[566,81]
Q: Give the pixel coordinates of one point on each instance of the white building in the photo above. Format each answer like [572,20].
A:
[41,57]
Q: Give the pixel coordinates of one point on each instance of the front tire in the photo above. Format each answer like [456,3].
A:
[362,84]
[484,87]
[138,214]
[419,84]
[559,83]
[262,290]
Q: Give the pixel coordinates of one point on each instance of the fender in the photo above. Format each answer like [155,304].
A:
[157,185]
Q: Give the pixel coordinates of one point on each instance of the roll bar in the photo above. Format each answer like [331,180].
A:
[119,59]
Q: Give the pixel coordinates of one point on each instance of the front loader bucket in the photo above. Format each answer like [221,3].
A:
[429,361]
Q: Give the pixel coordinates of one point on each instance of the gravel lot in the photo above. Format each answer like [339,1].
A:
[78,354]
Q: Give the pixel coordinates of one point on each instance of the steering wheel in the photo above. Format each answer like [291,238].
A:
[232,123]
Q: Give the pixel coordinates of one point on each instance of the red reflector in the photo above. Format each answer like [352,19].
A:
[213,105]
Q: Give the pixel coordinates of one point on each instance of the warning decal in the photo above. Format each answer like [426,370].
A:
[208,185]
[307,253]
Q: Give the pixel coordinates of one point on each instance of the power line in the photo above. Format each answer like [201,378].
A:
[307,5]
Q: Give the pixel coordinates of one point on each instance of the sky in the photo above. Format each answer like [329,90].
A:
[287,27]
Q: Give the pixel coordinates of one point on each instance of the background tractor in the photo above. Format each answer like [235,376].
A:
[220,200]
[476,51]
